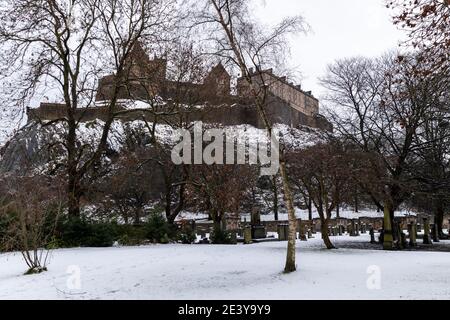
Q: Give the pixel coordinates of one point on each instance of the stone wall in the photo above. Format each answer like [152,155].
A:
[234,111]
[293,95]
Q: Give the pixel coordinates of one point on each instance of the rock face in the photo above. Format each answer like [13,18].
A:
[21,150]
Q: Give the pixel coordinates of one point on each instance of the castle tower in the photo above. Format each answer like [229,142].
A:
[143,78]
[218,81]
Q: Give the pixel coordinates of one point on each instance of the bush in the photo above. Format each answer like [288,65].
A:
[157,229]
[78,232]
[131,235]
[219,236]
[187,237]
[101,235]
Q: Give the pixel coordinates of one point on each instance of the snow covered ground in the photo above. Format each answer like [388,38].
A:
[230,272]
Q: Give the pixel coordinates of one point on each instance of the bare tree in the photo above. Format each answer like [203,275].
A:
[66,45]
[380,107]
[324,182]
[246,46]
[31,207]
[427,24]
[221,189]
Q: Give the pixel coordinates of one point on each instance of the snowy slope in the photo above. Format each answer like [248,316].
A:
[230,272]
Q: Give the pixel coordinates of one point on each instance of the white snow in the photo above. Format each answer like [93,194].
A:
[230,272]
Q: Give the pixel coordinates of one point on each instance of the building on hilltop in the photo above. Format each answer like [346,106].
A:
[146,78]
[302,101]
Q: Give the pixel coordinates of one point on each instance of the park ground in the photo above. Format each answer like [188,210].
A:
[232,272]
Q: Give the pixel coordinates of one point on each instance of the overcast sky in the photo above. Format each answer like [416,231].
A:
[339,29]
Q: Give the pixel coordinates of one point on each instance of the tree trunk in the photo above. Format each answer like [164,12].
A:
[356,202]
[325,237]
[292,235]
[310,217]
[439,217]
[137,216]
[275,197]
[74,195]
[388,240]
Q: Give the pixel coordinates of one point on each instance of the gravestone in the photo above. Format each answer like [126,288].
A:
[233,237]
[313,227]
[302,232]
[397,232]
[426,230]
[403,241]
[372,235]
[256,216]
[247,235]
[435,232]
[349,229]
[363,228]
[381,237]
[258,231]
[283,230]
[355,227]
[412,235]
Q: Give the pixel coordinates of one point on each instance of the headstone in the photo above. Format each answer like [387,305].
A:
[381,237]
[419,227]
[435,232]
[356,232]
[412,234]
[403,241]
[283,230]
[426,230]
[259,232]
[349,229]
[247,235]
[398,235]
[372,235]
[313,227]
[302,233]
[234,237]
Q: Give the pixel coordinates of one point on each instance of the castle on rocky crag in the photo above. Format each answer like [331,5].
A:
[286,103]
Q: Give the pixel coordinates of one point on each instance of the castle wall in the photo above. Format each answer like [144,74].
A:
[292,95]
[234,112]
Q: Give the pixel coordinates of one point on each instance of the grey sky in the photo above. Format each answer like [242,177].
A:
[339,29]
